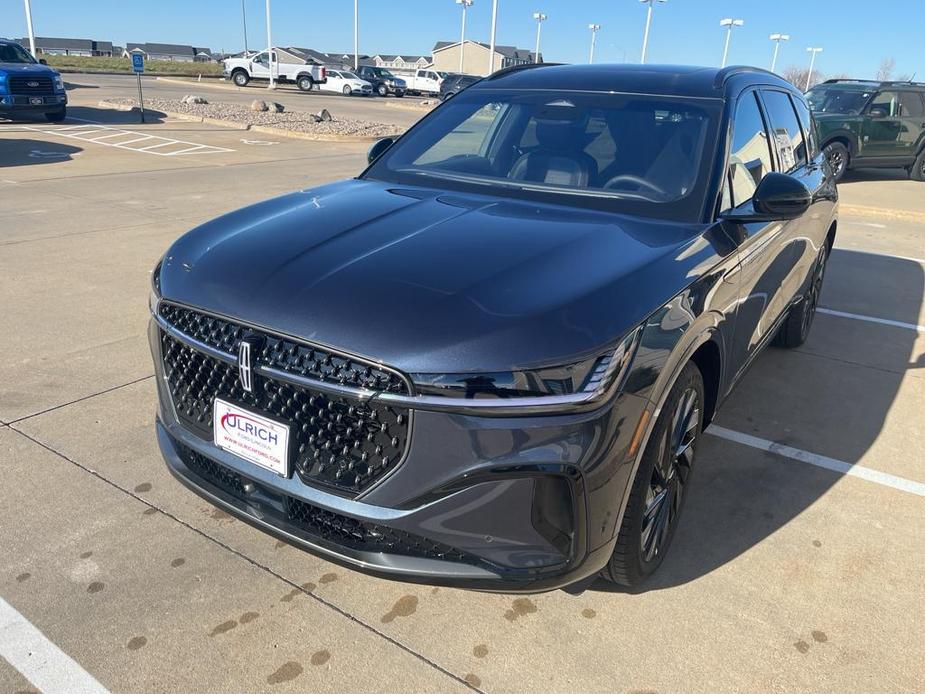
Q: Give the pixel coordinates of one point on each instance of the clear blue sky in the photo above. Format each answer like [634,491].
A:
[855,35]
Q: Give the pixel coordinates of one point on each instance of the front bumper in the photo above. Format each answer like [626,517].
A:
[16,103]
[514,504]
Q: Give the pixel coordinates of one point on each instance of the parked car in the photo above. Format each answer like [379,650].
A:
[425,82]
[383,81]
[454,84]
[488,360]
[28,87]
[871,124]
[257,67]
[346,83]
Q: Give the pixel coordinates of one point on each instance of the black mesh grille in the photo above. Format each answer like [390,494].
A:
[331,527]
[335,441]
[282,353]
[22,84]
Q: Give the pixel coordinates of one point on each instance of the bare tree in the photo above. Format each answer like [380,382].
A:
[797,76]
[885,71]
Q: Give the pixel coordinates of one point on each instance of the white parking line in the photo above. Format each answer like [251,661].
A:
[872,319]
[95,133]
[839,466]
[39,660]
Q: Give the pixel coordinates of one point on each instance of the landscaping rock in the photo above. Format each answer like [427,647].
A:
[193,99]
[275,107]
[258,105]
[324,115]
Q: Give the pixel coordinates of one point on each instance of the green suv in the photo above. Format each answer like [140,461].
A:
[871,124]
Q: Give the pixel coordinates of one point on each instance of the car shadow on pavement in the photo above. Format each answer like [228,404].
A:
[863,175]
[830,397]
[25,152]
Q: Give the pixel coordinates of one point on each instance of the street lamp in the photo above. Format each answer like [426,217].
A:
[729,23]
[812,62]
[356,35]
[645,36]
[594,29]
[494,26]
[540,18]
[29,27]
[270,49]
[777,38]
[466,4]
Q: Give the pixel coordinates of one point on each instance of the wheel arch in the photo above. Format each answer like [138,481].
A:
[708,359]
[845,138]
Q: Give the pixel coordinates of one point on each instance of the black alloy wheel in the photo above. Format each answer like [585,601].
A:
[796,326]
[838,156]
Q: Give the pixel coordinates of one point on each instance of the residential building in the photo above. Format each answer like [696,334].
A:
[56,46]
[401,63]
[169,51]
[476,57]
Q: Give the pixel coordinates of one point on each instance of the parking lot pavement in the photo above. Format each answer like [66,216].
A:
[785,575]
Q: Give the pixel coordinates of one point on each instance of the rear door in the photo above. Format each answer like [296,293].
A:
[888,129]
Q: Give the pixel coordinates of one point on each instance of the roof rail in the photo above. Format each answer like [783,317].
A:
[517,68]
[836,80]
[725,73]
[891,83]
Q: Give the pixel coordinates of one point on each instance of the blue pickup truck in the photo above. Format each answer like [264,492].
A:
[29,87]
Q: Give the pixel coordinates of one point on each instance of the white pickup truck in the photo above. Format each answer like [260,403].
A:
[425,82]
[257,67]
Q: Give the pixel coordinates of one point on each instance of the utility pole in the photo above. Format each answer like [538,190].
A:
[645,36]
[494,26]
[270,48]
[466,4]
[29,27]
[540,18]
[594,29]
[812,62]
[729,23]
[777,38]
[356,35]
[244,19]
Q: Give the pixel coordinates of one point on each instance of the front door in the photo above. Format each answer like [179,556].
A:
[260,67]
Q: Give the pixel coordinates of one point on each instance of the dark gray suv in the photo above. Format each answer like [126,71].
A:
[488,360]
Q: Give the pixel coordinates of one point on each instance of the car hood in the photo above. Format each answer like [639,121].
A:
[31,68]
[430,281]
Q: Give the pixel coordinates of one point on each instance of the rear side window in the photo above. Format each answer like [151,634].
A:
[911,104]
[750,154]
[786,130]
[809,127]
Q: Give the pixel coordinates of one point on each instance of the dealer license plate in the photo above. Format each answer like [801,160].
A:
[258,440]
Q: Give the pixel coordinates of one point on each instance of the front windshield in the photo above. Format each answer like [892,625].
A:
[841,101]
[14,53]
[386,74]
[623,152]
[349,76]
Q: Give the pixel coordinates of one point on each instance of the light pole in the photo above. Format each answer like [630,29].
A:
[812,62]
[645,36]
[466,4]
[356,35]
[29,27]
[777,38]
[244,19]
[594,29]
[729,23]
[494,26]
[540,18]
[270,49]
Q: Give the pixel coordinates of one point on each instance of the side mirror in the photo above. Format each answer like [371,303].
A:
[42,61]
[378,149]
[878,112]
[778,197]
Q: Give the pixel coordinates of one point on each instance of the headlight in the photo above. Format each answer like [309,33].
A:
[579,382]
[154,296]
[59,83]
[3,84]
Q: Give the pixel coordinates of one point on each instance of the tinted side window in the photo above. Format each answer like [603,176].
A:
[749,155]
[911,104]
[809,126]
[786,130]
[888,102]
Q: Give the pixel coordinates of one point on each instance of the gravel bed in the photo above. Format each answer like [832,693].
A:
[296,121]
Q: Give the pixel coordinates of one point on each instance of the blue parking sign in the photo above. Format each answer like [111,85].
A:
[138,63]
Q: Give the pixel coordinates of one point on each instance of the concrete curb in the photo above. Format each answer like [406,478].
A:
[234,125]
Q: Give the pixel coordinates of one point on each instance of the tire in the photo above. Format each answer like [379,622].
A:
[399,95]
[381,90]
[56,116]
[917,172]
[798,322]
[661,485]
[347,90]
[839,158]
[305,83]
[240,78]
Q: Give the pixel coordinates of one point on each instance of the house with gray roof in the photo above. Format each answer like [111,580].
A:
[477,57]
[170,51]
[45,45]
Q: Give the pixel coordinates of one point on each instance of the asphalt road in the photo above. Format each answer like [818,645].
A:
[798,566]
